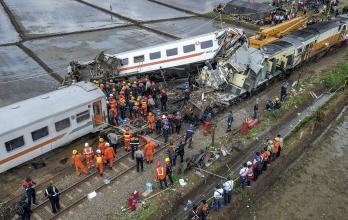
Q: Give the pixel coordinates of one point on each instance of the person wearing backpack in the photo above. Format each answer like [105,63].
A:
[23,209]
[53,195]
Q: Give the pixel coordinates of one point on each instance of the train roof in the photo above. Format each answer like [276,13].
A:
[210,34]
[29,111]
[276,47]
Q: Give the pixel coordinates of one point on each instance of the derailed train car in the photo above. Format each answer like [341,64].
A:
[248,68]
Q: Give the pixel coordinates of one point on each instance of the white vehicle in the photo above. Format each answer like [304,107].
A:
[35,126]
[170,57]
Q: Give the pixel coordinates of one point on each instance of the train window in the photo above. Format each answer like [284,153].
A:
[14,143]
[42,132]
[172,52]
[299,50]
[124,62]
[61,125]
[189,48]
[206,44]
[155,55]
[139,59]
[82,116]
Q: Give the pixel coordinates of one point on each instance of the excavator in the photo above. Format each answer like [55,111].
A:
[270,34]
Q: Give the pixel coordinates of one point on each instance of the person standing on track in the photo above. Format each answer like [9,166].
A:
[139,157]
[53,195]
[161,175]
[229,121]
[127,136]
[77,162]
[109,154]
[169,170]
[113,138]
[101,145]
[88,155]
[178,122]
[149,149]
[151,122]
[189,135]
[23,209]
[99,159]
[28,186]
[228,187]
[134,145]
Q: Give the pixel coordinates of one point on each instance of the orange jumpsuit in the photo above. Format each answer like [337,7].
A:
[99,159]
[109,155]
[276,147]
[127,136]
[207,128]
[151,120]
[76,160]
[149,149]
[89,156]
[144,107]
[101,147]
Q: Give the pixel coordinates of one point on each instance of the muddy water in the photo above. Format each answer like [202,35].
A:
[315,186]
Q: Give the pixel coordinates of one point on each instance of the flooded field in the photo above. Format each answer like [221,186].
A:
[315,186]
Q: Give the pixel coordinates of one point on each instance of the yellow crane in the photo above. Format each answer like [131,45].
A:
[270,34]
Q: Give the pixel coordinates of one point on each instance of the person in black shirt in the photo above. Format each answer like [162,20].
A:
[23,209]
[53,195]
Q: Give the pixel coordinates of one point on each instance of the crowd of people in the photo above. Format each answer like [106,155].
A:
[249,172]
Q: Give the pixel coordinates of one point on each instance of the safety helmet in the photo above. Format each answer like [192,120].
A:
[124,82]
[277,99]
[166,123]
[129,84]
[74,152]
[270,142]
[249,163]
[177,113]
[191,126]
[101,85]
[114,90]
[107,144]
[101,139]
[135,82]
[163,116]
[150,113]
[86,145]
[139,98]
[111,81]
[98,151]
[158,113]
[277,139]
[167,159]
[111,95]
[158,164]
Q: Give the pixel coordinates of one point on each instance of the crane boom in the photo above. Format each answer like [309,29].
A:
[268,35]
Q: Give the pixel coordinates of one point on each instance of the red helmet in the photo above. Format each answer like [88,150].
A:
[158,164]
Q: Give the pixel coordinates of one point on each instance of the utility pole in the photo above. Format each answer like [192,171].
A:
[213,135]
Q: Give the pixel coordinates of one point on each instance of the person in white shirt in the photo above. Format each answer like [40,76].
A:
[228,187]
[242,175]
[218,195]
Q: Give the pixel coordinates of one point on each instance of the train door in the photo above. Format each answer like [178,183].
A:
[97,113]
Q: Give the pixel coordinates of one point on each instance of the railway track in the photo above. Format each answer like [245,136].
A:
[79,190]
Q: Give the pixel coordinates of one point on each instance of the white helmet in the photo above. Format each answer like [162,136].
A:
[107,144]
[249,163]
[86,145]
[98,151]
[111,95]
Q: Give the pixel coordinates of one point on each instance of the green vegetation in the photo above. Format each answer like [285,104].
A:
[147,210]
[337,77]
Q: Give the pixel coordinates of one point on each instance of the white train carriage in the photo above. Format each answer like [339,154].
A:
[178,53]
[35,126]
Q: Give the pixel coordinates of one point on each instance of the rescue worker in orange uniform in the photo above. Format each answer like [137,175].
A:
[151,121]
[276,147]
[127,136]
[99,161]
[149,149]
[101,145]
[88,155]
[109,154]
[144,106]
[76,160]
[161,175]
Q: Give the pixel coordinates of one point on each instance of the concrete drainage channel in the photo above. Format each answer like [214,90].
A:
[286,130]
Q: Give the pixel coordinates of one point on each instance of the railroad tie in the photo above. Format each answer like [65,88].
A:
[124,165]
[129,159]
[36,216]
[69,196]
[48,209]
[62,205]
[79,190]
[88,184]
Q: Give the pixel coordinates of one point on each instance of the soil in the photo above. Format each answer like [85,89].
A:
[311,186]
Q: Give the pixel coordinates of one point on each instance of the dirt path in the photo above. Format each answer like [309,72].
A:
[315,186]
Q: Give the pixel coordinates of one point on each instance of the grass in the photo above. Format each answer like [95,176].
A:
[337,77]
